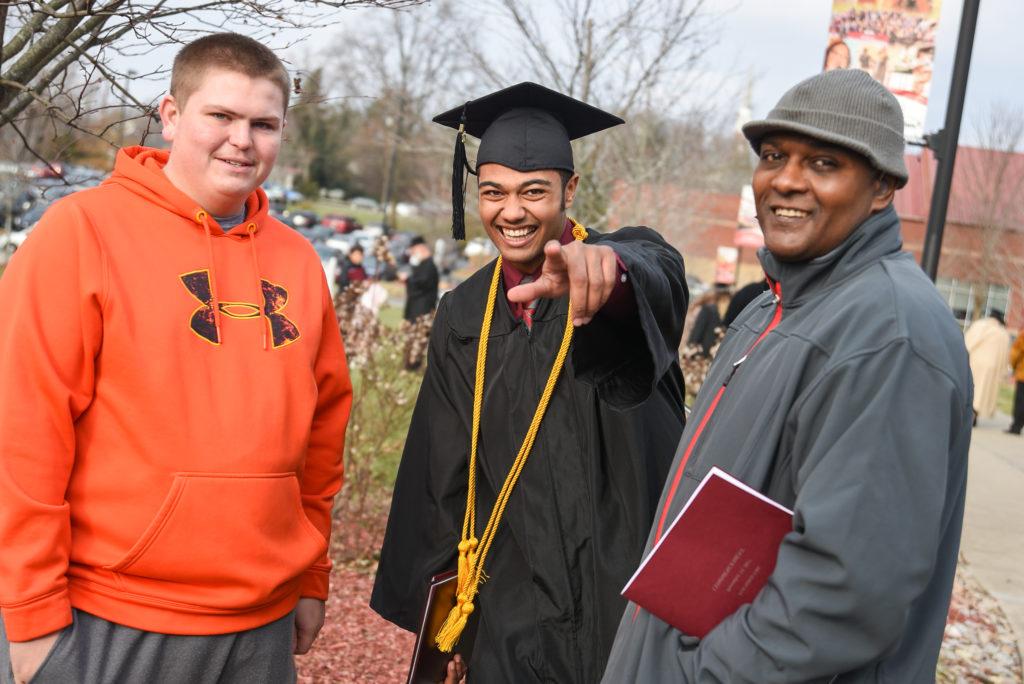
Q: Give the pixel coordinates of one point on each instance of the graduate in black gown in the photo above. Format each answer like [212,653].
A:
[576,520]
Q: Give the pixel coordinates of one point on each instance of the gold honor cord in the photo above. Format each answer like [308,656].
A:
[473,553]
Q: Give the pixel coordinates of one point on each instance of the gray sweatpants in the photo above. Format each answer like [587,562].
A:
[95,651]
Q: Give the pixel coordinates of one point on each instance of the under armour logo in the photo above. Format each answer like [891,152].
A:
[275,298]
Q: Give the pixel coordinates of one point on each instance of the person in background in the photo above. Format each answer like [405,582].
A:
[988,345]
[741,298]
[421,282]
[1017,362]
[352,271]
[837,54]
[175,397]
[706,331]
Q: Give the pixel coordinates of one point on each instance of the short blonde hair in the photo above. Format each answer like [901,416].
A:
[230,52]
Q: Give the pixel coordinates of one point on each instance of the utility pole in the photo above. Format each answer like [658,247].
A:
[397,126]
[944,143]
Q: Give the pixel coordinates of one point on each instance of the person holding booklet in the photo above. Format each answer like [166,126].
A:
[843,394]
[546,421]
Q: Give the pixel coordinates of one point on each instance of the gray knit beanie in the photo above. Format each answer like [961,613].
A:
[846,107]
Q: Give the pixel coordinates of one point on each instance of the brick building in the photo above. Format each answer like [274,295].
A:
[981,267]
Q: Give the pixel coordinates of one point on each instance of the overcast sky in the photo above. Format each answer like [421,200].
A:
[781,42]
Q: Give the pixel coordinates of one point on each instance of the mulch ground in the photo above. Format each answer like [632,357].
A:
[979,644]
[358,646]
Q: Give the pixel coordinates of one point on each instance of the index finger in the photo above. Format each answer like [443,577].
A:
[554,258]
[579,283]
[527,292]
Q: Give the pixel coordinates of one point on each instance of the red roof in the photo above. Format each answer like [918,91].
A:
[987,186]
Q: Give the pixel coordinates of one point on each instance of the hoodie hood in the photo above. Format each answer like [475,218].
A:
[141,170]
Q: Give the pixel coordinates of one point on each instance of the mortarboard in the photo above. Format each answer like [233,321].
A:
[525,127]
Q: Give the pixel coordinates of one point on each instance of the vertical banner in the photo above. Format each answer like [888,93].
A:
[725,265]
[894,41]
[748,230]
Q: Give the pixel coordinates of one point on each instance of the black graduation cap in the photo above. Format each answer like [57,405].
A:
[525,127]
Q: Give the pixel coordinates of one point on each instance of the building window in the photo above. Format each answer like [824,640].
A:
[971,301]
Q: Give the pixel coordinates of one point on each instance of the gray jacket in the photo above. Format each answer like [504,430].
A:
[854,410]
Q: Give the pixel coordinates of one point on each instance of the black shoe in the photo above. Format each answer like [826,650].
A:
[1011,431]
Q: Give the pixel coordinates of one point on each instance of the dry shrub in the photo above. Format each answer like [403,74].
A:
[695,365]
[385,381]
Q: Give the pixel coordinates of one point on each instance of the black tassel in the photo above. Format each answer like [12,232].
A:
[459,166]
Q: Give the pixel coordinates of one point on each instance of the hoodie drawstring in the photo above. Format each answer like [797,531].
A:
[250,229]
[260,303]
[202,217]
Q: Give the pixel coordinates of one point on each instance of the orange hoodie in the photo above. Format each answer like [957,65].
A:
[173,402]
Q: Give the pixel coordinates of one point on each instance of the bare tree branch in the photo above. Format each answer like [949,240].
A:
[989,191]
[631,57]
[28,146]
[48,40]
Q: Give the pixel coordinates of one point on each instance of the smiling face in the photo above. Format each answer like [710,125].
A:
[224,138]
[521,211]
[811,195]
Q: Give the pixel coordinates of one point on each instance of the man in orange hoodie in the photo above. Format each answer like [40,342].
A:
[174,399]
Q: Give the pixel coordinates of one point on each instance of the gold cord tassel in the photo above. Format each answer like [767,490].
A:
[471,558]
[453,625]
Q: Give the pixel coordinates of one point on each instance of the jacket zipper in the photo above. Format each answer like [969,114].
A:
[776,318]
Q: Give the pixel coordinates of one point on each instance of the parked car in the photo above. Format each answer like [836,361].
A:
[696,286]
[342,243]
[21,229]
[375,229]
[30,218]
[380,270]
[302,218]
[278,193]
[365,203]
[407,209]
[331,262]
[51,170]
[280,216]
[480,247]
[398,245]
[448,255]
[316,234]
[340,224]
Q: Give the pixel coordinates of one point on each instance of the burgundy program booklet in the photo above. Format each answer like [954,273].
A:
[715,556]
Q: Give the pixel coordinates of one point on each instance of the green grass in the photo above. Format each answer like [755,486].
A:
[1005,399]
[390,316]
[430,227]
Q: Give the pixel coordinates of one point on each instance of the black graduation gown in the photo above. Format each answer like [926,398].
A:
[421,290]
[576,524]
[703,333]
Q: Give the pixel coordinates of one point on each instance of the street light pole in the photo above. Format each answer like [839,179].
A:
[944,143]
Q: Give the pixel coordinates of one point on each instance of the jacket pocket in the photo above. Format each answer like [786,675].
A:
[223,542]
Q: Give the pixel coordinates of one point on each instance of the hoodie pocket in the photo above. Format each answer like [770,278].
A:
[223,542]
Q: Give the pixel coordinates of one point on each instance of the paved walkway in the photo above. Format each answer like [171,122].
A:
[993,536]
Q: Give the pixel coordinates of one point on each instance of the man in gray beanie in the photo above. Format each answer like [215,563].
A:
[844,394]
